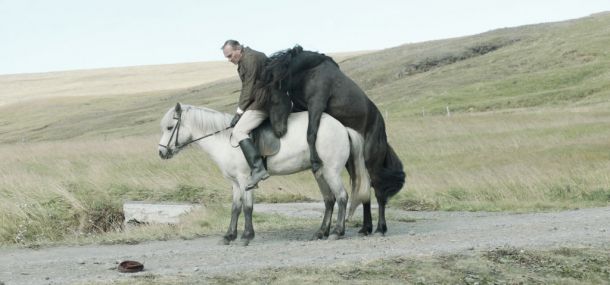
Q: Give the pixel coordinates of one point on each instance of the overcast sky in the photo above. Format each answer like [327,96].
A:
[40,36]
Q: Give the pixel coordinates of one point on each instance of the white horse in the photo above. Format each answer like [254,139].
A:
[337,146]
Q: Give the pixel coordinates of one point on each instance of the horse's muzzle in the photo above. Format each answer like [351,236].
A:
[167,154]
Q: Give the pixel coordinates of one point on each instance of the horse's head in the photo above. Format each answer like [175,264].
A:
[174,133]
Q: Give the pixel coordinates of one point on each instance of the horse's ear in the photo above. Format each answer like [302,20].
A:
[178,108]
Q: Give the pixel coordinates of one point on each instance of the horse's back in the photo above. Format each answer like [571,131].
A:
[344,99]
[298,123]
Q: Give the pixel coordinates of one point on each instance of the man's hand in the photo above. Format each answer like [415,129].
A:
[235,119]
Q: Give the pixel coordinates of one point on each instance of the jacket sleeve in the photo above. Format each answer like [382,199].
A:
[248,77]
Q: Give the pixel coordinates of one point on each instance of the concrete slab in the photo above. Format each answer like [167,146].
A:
[155,213]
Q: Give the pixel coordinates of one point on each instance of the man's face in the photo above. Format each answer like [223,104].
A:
[233,55]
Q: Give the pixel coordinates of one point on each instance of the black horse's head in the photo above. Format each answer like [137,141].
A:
[284,65]
[281,75]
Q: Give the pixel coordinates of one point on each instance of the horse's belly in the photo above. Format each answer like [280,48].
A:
[285,165]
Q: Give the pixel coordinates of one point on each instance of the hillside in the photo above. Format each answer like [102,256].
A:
[563,64]
[554,64]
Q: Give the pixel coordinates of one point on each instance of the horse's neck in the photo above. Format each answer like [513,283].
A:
[218,147]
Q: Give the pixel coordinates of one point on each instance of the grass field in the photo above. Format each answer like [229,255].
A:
[528,129]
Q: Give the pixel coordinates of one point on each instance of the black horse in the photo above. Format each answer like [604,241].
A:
[314,82]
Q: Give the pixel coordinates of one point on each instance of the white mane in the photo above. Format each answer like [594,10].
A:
[204,119]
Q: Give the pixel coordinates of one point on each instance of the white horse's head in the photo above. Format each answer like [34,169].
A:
[174,132]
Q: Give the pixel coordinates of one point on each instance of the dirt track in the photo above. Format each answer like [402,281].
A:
[431,233]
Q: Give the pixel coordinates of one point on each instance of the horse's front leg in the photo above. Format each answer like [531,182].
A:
[231,234]
[248,205]
[315,114]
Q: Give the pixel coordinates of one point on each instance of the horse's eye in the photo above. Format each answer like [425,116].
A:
[170,128]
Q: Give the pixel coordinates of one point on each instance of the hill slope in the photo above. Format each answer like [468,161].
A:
[563,64]
[555,64]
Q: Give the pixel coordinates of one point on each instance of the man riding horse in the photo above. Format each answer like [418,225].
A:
[313,82]
[250,111]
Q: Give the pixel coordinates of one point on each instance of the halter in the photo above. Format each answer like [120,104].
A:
[176,132]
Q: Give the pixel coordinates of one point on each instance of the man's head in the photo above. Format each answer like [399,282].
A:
[232,51]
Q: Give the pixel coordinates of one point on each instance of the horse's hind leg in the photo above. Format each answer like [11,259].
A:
[382,227]
[231,234]
[333,178]
[329,204]
[367,219]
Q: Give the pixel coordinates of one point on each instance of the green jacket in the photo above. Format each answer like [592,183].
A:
[250,67]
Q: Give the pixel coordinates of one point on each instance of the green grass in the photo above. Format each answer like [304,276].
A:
[529,130]
[502,265]
[505,161]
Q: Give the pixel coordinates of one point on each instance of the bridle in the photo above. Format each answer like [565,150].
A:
[176,133]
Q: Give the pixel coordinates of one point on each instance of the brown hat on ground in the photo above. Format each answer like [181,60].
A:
[130,266]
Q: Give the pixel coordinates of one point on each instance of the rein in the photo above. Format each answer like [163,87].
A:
[176,132]
[203,137]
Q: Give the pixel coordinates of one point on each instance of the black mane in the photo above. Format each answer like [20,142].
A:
[286,64]
[282,73]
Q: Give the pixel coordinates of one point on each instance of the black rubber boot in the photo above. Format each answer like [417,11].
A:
[255,161]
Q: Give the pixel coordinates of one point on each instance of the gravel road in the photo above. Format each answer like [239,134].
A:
[410,234]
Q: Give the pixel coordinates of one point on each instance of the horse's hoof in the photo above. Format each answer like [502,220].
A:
[245,242]
[224,241]
[334,237]
[317,236]
[316,166]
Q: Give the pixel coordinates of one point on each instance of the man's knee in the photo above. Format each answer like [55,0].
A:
[239,135]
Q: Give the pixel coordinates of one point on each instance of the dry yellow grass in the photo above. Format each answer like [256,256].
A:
[111,81]
[119,81]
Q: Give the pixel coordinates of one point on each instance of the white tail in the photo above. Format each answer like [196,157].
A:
[361,184]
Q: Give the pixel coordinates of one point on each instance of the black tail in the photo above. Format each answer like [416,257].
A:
[384,166]
[391,175]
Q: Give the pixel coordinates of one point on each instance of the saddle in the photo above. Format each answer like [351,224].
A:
[265,139]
